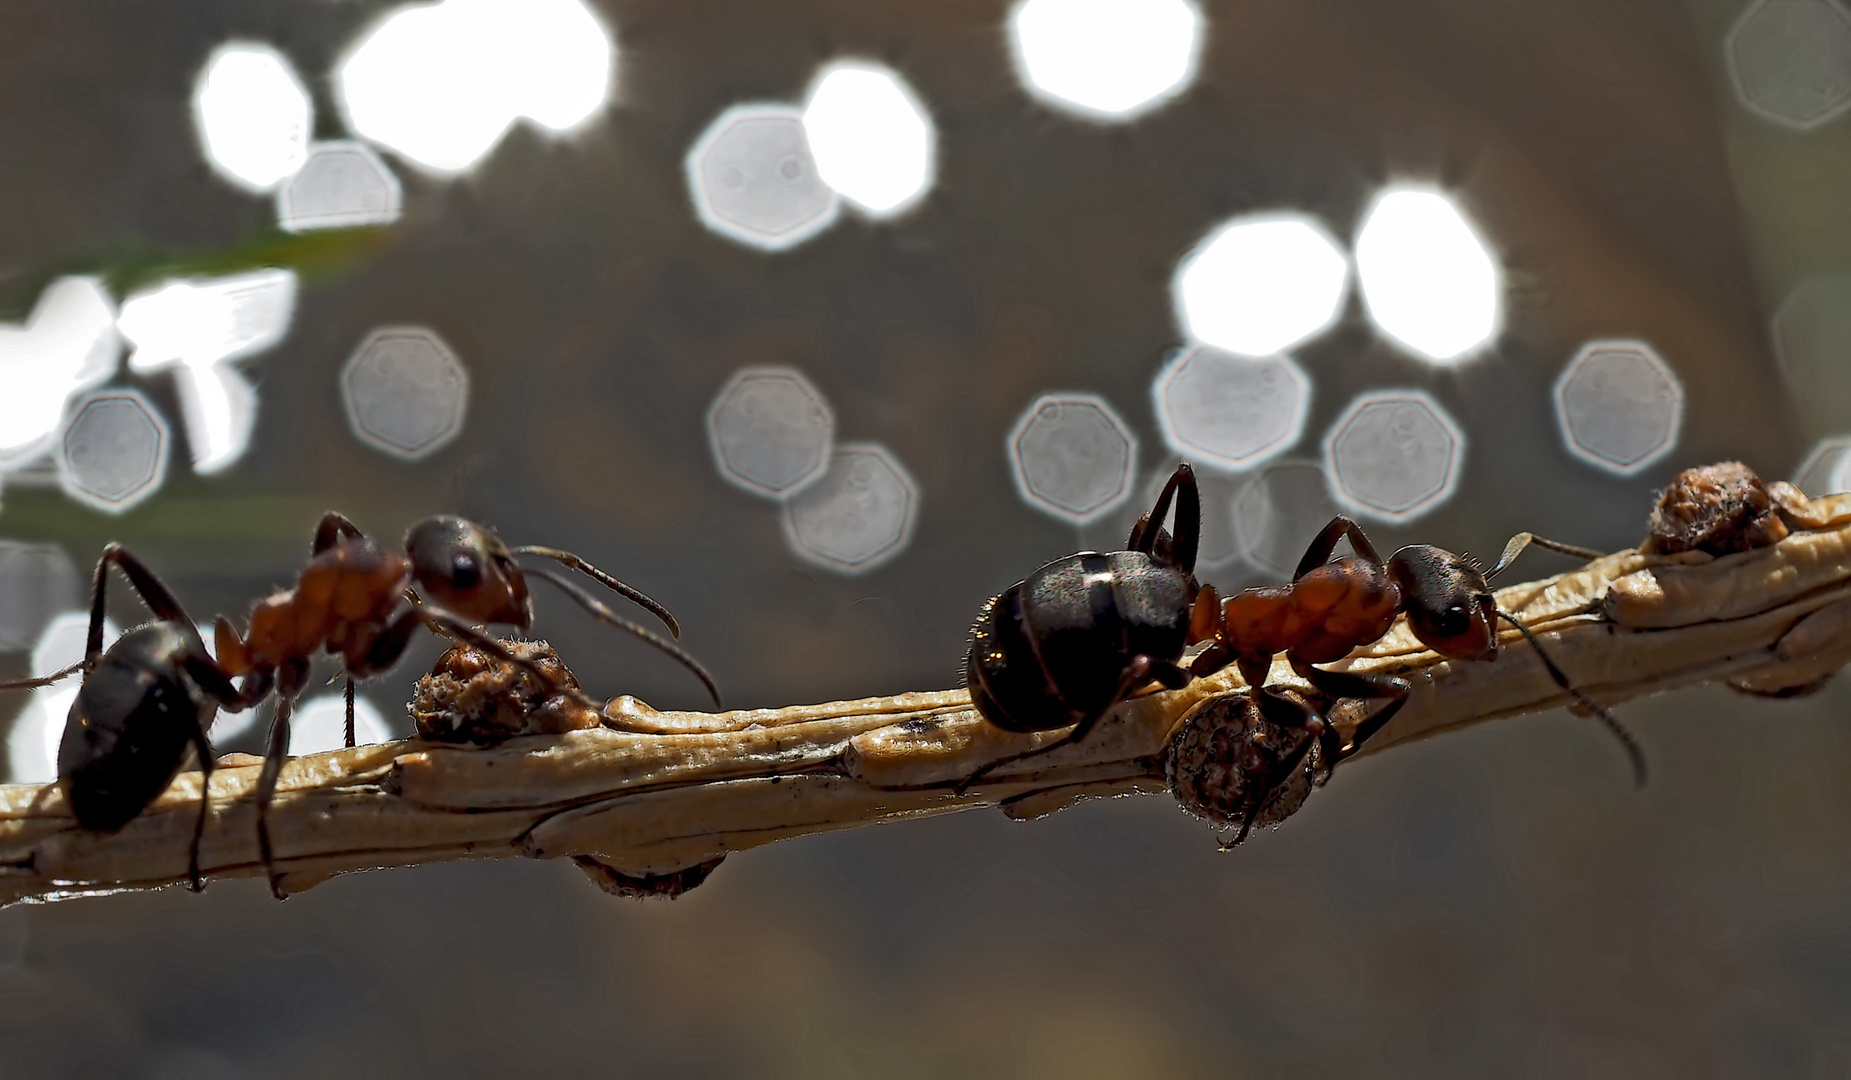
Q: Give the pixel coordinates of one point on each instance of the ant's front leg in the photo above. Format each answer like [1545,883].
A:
[1342,684]
[1325,543]
[333,528]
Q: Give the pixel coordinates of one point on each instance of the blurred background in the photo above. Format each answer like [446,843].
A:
[821,322]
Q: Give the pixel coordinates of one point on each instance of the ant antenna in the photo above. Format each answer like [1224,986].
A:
[1523,540]
[573,562]
[1618,729]
[605,615]
[43,680]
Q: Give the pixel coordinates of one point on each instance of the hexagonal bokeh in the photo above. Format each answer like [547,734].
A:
[1428,280]
[1230,412]
[1260,284]
[1072,456]
[1825,472]
[771,431]
[1812,337]
[37,581]
[68,344]
[1106,60]
[1619,405]
[253,114]
[859,515]
[1790,61]
[405,391]
[342,185]
[1394,455]
[753,179]
[1279,512]
[114,451]
[871,137]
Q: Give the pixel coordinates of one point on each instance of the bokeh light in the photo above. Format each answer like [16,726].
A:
[32,741]
[771,430]
[1261,284]
[198,327]
[1427,279]
[1790,61]
[405,391]
[342,185]
[67,345]
[1394,455]
[858,515]
[1278,513]
[1072,456]
[872,139]
[1231,412]
[253,115]
[754,181]
[1619,405]
[114,453]
[37,581]
[319,724]
[439,84]
[1107,60]
[1825,470]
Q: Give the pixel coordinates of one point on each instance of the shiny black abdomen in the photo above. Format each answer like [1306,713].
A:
[128,729]
[1051,651]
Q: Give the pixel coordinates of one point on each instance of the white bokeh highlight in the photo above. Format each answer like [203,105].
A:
[754,181]
[872,139]
[67,345]
[253,115]
[1394,455]
[771,431]
[1106,60]
[37,581]
[858,516]
[32,741]
[113,455]
[1230,412]
[406,391]
[1827,468]
[1790,61]
[342,185]
[1279,512]
[198,328]
[1428,280]
[1619,406]
[440,84]
[319,725]
[1259,285]
[1072,456]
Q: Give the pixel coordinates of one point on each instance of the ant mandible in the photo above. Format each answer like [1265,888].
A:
[355,599]
[141,704]
[1333,607]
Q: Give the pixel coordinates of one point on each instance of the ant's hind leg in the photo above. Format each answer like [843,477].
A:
[154,593]
[274,754]
[1340,684]
[333,528]
[1325,542]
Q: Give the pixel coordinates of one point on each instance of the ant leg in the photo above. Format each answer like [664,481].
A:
[350,711]
[334,528]
[43,680]
[154,593]
[635,596]
[1140,670]
[1187,538]
[1315,729]
[1325,543]
[1524,540]
[611,618]
[451,628]
[288,687]
[1342,684]
[1633,751]
[195,881]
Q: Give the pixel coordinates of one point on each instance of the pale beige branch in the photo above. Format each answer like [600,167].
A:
[679,789]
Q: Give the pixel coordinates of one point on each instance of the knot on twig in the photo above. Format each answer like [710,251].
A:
[1235,769]
[642,886]
[472,697]
[1717,509]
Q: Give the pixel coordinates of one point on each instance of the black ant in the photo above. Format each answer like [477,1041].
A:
[1333,607]
[1076,637]
[142,703]
[1082,633]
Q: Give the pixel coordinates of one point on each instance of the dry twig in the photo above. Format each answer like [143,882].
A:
[653,807]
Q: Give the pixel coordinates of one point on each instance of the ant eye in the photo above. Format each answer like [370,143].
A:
[464,573]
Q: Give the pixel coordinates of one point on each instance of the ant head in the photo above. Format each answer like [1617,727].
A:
[1450,607]
[466,570]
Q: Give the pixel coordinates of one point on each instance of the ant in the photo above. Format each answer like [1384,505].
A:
[1333,607]
[1076,637]
[1080,634]
[142,703]
[355,598]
